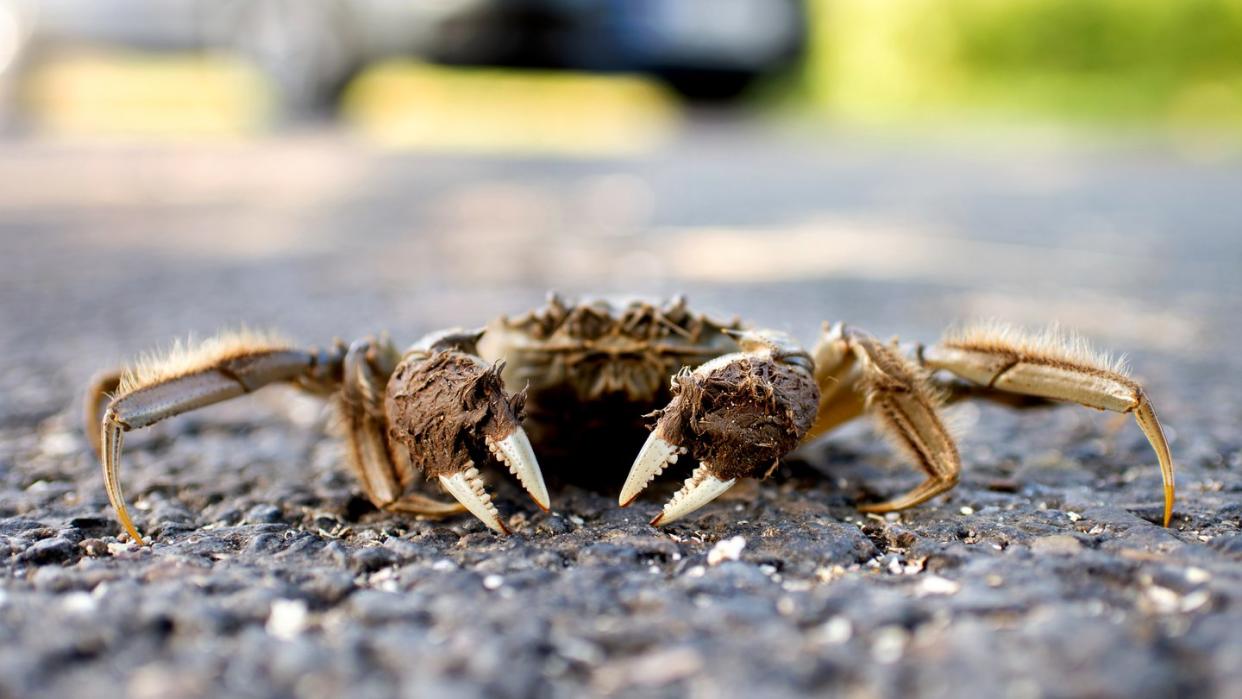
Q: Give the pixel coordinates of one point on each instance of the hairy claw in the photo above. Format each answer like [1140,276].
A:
[451,411]
[737,414]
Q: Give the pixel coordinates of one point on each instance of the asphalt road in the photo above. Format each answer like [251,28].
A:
[1043,574]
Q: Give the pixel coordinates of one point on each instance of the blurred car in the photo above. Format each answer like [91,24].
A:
[705,49]
[309,49]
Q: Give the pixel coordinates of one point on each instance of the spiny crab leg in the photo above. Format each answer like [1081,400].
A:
[467,487]
[516,453]
[655,456]
[700,488]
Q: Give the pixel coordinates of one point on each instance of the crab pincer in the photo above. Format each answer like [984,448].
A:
[451,412]
[736,414]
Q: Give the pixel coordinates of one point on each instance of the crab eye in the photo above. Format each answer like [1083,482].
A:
[737,415]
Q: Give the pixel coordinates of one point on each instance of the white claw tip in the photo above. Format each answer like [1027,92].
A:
[517,454]
[652,459]
[467,487]
[700,488]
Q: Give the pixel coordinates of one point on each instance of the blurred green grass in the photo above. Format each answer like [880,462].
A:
[1141,62]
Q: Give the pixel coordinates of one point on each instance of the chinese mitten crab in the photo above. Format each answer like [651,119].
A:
[732,398]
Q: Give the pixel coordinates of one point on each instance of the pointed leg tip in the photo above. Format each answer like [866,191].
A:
[657,520]
[624,502]
[129,528]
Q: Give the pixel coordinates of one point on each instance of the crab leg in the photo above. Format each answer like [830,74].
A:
[1057,368]
[906,407]
[242,364]
[103,385]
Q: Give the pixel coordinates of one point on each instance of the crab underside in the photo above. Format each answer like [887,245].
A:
[580,384]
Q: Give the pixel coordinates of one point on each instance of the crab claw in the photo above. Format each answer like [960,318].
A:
[516,453]
[701,488]
[737,414]
[451,411]
[467,487]
[655,456]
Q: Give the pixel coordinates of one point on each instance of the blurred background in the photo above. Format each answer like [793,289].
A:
[338,167]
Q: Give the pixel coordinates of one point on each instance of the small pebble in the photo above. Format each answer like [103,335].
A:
[1062,544]
[94,547]
[936,585]
[1197,575]
[889,644]
[263,514]
[79,603]
[45,551]
[115,548]
[726,550]
[287,619]
[837,630]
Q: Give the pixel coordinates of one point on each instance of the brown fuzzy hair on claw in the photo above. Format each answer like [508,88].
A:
[442,407]
[742,417]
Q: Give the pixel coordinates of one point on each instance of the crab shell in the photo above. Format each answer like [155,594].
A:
[594,371]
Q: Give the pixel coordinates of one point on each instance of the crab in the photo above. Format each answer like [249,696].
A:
[566,376]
